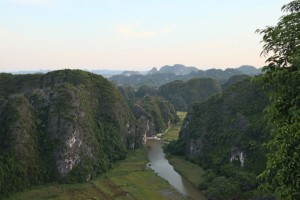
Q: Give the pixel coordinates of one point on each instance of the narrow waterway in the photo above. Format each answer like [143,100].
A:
[161,166]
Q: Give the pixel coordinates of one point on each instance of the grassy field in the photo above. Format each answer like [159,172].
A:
[189,170]
[173,132]
[129,179]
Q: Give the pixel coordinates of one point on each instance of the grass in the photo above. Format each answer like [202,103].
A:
[173,132]
[189,170]
[129,179]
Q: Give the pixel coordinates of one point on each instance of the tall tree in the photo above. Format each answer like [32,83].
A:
[282,42]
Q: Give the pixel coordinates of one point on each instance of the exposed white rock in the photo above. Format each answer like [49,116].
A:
[238,155]
[144,138]
[72,140]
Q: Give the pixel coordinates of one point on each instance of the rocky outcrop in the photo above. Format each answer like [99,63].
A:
[193,148]
[225,136]
[66,125]
[237,155]
[154,115]
[228,128]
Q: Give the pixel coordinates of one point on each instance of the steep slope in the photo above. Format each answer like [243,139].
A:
[224,135]
[146,90]
[233,80]
[127,92]
[66,125]
[223,123]
[154,115]
[19,162]
[182,94]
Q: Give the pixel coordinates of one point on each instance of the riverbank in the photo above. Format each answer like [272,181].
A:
[187,169]
[164,169]
[129,179]
[192,172]
[173,132]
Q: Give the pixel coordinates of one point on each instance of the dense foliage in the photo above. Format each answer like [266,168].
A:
[183,94]
[233,80]
[154,114]
[224,135]
[282,41]
[66,125]
[127,91]
[146,90]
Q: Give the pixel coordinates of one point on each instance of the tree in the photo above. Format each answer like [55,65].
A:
[223,188]
[282,78]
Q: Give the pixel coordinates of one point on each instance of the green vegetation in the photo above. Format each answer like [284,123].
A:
[224,135]
[234,80]
[173,132]
[128,179]
[128,92]
[154,114]
[66,126]
[192,172]
[19,164]
[182,94]
[146,90]
[282,174]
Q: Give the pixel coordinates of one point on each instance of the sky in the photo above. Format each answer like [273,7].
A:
[133,34]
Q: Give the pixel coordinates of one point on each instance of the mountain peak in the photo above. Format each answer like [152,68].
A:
[177,69]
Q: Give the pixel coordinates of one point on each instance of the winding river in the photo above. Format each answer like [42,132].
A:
[161,166]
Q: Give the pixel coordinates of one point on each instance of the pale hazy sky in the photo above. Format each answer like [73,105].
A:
[133,34]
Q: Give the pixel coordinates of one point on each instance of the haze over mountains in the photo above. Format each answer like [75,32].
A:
[227,133]
[76,124]
[168,74]
[177,69]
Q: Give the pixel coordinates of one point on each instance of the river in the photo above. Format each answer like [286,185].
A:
[161,166]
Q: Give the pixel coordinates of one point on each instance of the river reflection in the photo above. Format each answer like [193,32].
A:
[161,166]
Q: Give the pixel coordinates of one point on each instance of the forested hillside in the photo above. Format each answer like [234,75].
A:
[153,114]
[183,94]
[224,135]
[65,126]
[234,80]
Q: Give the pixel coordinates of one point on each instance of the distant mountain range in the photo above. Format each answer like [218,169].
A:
[168,74]
[175,69]
[164,75]
[104,72]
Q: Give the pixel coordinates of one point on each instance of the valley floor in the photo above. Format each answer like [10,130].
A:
[173,132]
[129,179]
[192,172]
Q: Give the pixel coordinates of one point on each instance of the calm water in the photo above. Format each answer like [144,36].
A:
[161,166]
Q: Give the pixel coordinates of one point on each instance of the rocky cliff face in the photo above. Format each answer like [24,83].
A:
[66,125]
[228,127]
[154,115]
[224,135]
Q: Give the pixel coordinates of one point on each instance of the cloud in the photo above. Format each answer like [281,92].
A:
[132,31]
